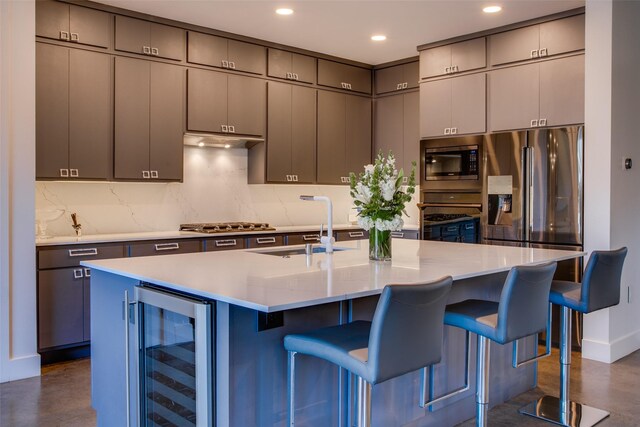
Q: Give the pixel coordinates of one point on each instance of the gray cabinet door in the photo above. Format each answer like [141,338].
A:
[166,42]
[247,57]
[52,110]
[389,79]
[331,137]
[335,74]
[435,61]
[90,114]
[291,66]
[131,155]
[303,134]
[389,127]
[562,35]
[304,68]
[435,107]
[513,97]
[469,55]
[514,45]
[468,104]
[89,26]
[562,91]
[60,307]
[247,105]
[206,100]
[412,74]
[166,120]
[205,49]
[279,127]
[132,35]
[358,133]
[52,17]
[411,132]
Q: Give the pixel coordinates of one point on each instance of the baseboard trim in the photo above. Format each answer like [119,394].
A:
[19,368]
[610,352]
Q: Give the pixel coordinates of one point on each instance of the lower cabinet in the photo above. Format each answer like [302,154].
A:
[164,247]
[265,241]
[351,235]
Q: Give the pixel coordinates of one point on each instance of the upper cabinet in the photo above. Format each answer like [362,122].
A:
[149,38]
[536,41]
[149,120]
[453,106]
[342,76]
[73,113]
[226,103]
[205,49]
[344,136]
[76,24]
[398,77]
[453,58]
[291,66]
[548,93]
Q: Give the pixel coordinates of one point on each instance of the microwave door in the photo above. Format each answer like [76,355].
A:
[504,179]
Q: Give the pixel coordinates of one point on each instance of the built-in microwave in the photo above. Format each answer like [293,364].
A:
[451,163]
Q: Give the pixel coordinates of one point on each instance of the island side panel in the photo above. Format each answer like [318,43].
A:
[108,349]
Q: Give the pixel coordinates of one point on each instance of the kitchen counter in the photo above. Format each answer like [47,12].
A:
[268,283]
[166,235]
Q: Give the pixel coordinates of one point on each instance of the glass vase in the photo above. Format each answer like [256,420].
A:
[379,245]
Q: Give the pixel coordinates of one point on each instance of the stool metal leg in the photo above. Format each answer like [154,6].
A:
[482,381]
[563,411]
[291,386]
[364,404]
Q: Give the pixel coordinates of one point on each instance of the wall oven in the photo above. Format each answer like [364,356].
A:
[451,163]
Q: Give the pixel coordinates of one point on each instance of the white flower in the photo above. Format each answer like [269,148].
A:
[365,222]
[388,189]
[391,160]
[363,193]
[368,169]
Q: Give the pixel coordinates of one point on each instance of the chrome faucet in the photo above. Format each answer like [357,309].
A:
[328,240]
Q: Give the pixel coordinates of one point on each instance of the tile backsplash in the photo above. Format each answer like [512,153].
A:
[215,189]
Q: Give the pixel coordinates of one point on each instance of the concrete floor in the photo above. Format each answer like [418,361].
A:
[61,396]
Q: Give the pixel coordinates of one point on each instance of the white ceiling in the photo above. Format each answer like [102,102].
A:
[344,28]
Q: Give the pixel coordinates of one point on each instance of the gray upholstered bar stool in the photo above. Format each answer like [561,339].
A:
[523,310]
[600,289]
[405,335]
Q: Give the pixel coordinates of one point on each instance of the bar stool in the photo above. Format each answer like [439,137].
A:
[523,310]
[600,289]
[405,335]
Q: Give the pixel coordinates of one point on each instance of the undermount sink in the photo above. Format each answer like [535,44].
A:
[297,251]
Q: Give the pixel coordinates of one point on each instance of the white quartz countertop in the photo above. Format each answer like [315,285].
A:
[166,235]
[252,279]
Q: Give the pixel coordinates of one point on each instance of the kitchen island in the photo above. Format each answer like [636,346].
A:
[258,296]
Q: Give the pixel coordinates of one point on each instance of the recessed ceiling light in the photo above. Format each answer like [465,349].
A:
[492,9]
[284,11]
[200,144]
[227,145]
[378,38]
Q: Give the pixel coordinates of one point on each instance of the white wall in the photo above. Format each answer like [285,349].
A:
[18,356]
[611,193]
[215,189]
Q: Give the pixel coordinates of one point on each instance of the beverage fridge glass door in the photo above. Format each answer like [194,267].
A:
[503,183]
[556,185]
[175,355]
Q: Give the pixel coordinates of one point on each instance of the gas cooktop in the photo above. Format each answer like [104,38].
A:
[225,227]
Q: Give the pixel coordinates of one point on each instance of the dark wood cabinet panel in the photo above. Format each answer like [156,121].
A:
[343,76]
[165,247]
[389,127]
[332,124]
[206,100]
[304,68]
[358,133]
[265,241]
[148,38]
[291,66]
[75,24]
[435,61]
[166,42]
[389,79]
[351,235]
[246,105]
[214,51]
[303,238]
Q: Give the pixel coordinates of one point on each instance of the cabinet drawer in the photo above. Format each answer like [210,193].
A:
[351,235]
[262,241]
[224,244]
[450,230]
[71,256]
[164,247]
[431,233]
[405,234]
[303,238]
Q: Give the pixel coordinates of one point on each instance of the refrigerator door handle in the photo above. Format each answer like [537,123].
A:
[530,166]
[524,161]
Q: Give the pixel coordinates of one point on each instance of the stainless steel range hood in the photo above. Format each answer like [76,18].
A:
[219,141]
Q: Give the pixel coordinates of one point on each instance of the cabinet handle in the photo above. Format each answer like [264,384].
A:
[295,76]
[228,242]
[225,64]
[344,85]
[146,50]
[167,246]
[456,68]
[534,53]
[290,76]
[534,123]
[75,37]
[356,234]
[154,174]
[454,131]
[224,128]
[265,240]
[311,237]
[452,228]
[397,234]
[447,131]
[468,226]
[73,173]
[542,52]
[399,86]
[146,175]
[87,272]
[64,173]
[405,179]
[288,178]
[64,35]
[295,178]
[232,65]
[447,70]
[77,273]
[405,85]
[155,51]
[542,122]
[349,86]
[232,129]
[83,252]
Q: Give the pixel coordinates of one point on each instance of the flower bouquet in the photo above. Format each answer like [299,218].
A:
[380,196]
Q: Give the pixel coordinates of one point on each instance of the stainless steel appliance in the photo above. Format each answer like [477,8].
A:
[450,216]
[451,163]
[222,227]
